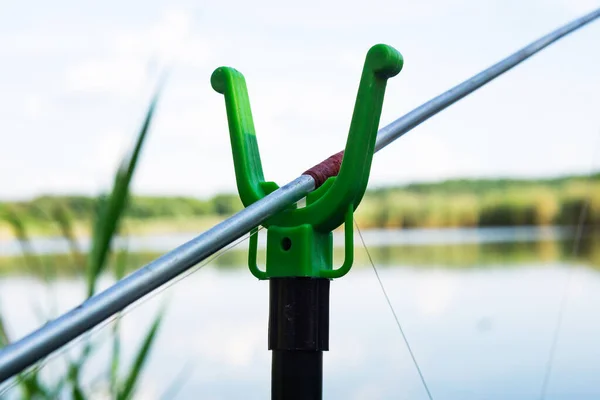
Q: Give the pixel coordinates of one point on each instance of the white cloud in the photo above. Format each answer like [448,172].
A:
[132,57]
[421,156]
[41,42]
[112,146]
[115,75]
[170,41]
[579,6]
[35,106]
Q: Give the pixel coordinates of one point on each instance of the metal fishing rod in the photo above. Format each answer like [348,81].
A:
[21,354]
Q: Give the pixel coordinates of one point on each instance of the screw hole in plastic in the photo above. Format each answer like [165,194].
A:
[286,243]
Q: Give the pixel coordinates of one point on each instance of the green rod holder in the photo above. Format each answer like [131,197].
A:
[299,240]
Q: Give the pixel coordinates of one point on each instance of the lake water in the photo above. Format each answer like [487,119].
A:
[479,308]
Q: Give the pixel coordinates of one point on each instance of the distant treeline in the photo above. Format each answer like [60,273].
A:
[473,202]
[139,207]
[485,202]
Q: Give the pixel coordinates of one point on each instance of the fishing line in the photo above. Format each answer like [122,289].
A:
[566,289]
[412,355]
[100,327]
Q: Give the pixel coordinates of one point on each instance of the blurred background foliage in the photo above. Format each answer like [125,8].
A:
[486,202]
[453,203]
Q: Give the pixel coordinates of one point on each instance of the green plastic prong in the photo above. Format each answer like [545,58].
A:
[252,256]
[348,248]
[244,146]
[327,213]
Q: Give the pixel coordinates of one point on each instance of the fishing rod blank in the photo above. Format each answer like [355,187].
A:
[23,353]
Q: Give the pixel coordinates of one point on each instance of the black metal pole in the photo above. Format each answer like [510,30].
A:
[298,335]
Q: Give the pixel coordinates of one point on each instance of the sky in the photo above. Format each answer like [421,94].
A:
[77,78]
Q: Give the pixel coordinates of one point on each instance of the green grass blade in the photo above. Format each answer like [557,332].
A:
[74,379]
[128,388]
[62,216]
[31,386]
[120,265]
[115,358]
[78,393]
[11,216]
[3,335]
[111,209]
[17,225]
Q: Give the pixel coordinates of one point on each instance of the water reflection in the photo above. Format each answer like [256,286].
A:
[479,316]
[440,248]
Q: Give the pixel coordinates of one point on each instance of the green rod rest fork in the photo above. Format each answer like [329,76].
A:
[300,240]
